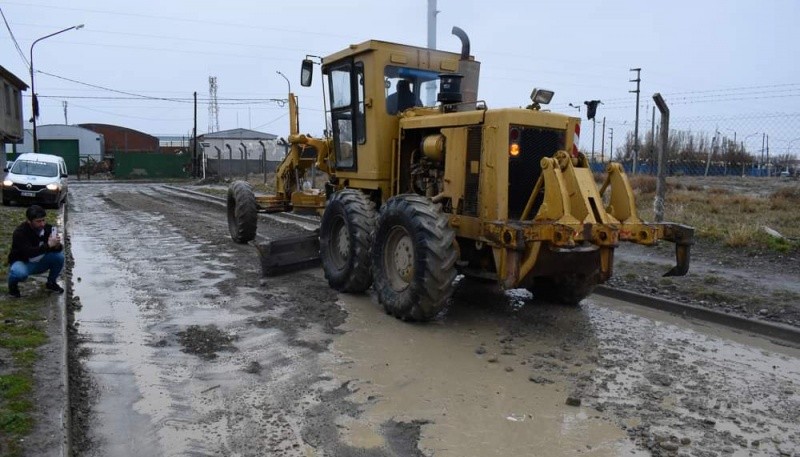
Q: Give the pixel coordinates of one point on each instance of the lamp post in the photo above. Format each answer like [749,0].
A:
[34,99]
[788,146]
[577,107]
[287,81]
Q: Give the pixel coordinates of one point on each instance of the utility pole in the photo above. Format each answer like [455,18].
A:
[432,12]
[591,113]
[194,138]
[65,112]
[603,143]
[611,146]
[661,183]
[653,135]
[638,80]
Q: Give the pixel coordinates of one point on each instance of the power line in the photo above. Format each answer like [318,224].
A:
[16,45]
[112,90]
[174,19]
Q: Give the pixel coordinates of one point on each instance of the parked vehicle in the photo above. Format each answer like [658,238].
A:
[36,178]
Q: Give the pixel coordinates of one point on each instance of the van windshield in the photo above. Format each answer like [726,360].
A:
[44,169]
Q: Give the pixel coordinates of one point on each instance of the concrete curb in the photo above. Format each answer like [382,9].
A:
[768,329]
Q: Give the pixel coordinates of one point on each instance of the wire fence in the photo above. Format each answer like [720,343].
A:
[758,146]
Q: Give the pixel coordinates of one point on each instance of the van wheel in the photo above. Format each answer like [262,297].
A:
[413,260]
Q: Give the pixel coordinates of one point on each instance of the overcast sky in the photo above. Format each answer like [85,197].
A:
[728,64]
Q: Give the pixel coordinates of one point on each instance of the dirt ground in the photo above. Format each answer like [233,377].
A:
[753,281]
[185,350]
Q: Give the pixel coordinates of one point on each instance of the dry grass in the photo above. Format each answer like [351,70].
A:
[734,212]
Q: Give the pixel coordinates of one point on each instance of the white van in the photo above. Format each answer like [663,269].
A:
[36,178]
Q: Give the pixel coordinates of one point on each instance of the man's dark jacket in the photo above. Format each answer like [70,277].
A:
[26,243]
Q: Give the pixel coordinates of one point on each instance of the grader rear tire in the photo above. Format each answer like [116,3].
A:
[242,212]
[344,240]
[413,260]
[568,289]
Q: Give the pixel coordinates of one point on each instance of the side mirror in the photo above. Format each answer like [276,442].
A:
[64,175]
[306,72]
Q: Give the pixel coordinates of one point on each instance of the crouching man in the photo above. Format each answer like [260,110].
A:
[35,248]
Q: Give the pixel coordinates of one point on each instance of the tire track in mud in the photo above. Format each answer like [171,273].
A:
[391,388]
[156,273]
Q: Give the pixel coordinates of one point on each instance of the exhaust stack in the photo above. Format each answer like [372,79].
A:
[470,71]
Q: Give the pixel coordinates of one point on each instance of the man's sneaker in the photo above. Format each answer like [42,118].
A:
[54,287]
[13,290]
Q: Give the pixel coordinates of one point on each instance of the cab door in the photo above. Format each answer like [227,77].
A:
[346,82]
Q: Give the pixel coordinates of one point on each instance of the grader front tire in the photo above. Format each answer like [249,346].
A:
[242,212]
[413,260]
[345,238]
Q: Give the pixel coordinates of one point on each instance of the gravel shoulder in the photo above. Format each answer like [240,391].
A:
[752,283]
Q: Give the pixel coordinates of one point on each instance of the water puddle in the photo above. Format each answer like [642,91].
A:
[475,401]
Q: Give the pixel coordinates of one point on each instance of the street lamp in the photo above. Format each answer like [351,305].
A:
[34,99]
[578,107]
[789,145]
[287,81]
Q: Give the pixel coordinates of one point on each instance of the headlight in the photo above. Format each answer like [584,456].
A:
[8,183]
[53,187]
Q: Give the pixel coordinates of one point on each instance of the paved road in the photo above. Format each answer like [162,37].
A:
[189,352]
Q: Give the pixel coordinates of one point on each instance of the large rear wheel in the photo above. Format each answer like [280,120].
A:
[413,260]
[242,212]
[345,238]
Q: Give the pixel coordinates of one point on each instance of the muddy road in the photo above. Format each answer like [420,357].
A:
[186,350]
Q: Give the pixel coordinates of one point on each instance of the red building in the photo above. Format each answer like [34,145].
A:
[123,139]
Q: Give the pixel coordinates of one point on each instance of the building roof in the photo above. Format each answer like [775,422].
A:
[99,127]
[10,77]
[238,134]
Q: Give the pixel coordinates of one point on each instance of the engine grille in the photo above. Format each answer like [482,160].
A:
[33,187]
[472,180]
[524,169]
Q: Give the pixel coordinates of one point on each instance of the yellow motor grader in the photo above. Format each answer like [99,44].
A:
[426,182]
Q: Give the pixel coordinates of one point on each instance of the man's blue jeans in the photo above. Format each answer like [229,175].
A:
[53,261]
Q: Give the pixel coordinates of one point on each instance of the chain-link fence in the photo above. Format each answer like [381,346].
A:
[758,146]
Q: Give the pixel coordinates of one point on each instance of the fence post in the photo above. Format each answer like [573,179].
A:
[661,183]
[263,160]
[230,159]
[244,155]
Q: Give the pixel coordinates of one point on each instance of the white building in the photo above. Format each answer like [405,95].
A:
[90,143]
[234,144]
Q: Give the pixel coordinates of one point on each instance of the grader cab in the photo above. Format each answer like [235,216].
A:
[426,182]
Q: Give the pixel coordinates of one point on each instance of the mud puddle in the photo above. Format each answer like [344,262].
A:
[693,387]
[167,335]
[469,380]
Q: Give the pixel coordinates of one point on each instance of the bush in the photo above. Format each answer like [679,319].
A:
[643,184]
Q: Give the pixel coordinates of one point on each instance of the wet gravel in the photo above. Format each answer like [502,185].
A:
[753,283]
[673,391]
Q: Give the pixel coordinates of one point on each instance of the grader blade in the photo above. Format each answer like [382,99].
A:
[288,254]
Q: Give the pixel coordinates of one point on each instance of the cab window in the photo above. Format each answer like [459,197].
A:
[409,87]
[347,111]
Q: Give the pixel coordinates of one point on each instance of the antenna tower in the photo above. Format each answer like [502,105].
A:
[213,107]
